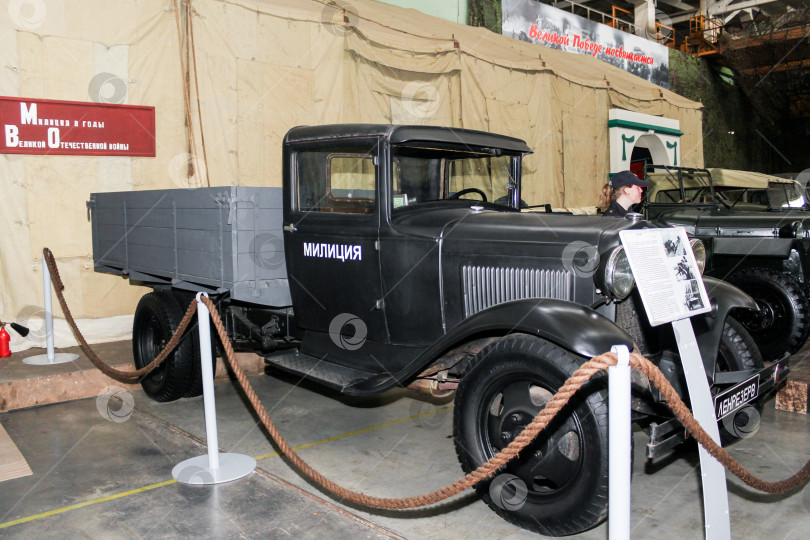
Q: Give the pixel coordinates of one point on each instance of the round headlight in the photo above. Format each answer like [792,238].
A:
[619,278]
[700,253]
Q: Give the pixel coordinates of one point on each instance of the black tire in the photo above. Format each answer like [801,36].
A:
[192,334]
[156,318]
[627,318]
[783,321]
[558,485]
[738,352]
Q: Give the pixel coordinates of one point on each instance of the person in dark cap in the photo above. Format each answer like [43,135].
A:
[623,191]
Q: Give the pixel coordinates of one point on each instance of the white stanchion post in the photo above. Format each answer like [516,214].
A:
[51,357]
[619,437]
[212,468]
[47,293]
[209,401]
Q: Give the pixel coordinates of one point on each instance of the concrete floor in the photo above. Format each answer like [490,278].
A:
[97,478]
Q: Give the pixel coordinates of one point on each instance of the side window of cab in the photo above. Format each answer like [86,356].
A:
[339,179]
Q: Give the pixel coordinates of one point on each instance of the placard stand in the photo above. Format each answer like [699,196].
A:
[212,468]
[51,357]
[712,474]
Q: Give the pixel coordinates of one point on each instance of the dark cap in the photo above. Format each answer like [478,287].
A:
[627,178]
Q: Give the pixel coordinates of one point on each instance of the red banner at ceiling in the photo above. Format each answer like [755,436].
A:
[70,128]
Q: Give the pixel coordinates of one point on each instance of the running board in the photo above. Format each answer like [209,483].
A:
[318,369]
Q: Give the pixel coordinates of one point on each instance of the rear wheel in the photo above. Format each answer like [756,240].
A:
[193,335]
[156,319]
[558,484]
[782,323]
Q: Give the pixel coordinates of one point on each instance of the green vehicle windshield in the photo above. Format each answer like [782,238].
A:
[733,189]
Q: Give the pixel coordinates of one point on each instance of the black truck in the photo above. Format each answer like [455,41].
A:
[755,236]
[398,256]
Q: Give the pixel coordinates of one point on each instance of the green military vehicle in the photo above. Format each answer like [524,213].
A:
[755,231]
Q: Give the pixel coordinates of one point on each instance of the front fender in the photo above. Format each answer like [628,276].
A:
[709,327]
[571,326]
[727,295]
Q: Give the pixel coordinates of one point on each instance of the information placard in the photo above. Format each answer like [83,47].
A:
[666,273]
[69,128]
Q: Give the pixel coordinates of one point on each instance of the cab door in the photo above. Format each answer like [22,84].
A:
[331,232]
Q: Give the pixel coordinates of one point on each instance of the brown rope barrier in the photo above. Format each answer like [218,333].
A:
[560,399]
[128,377]
[486,470]
[689,422]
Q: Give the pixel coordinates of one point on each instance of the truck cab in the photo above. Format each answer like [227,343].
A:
[400,237]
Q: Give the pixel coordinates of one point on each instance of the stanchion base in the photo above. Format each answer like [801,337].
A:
[195,471]
[43,360]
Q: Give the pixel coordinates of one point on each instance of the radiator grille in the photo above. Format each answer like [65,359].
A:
[486,286]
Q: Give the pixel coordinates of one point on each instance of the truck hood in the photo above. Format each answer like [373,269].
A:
[462,223]
[720,221]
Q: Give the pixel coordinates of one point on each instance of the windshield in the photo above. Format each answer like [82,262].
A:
[732,189]
[777,195]
[429,174]
[787,195]
[665,186]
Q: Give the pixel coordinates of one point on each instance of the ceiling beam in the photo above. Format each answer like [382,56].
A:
[720,8]
[745,15]
[678,4]
[683,17]
[564,4]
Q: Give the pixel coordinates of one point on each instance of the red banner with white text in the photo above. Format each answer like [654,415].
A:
[69,128]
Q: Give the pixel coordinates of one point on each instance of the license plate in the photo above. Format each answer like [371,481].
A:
[734,398]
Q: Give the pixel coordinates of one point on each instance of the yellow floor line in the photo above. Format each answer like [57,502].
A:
[86,503]
[357,432]
[170,482]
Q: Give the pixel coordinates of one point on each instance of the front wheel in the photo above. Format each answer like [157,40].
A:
[558,485]
[782,323]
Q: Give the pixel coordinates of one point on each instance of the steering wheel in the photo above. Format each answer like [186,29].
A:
[458,194]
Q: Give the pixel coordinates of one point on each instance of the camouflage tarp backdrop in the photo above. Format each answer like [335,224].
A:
[263,67]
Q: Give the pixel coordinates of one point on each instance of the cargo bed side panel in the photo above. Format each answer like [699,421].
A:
[212,239]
